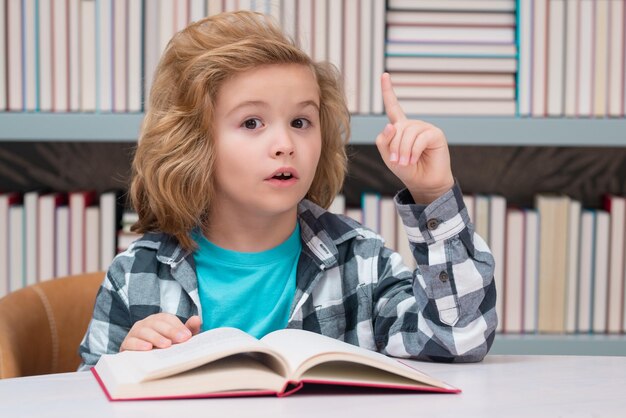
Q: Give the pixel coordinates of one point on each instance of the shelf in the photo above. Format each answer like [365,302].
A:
[589,345]
[113,127]
[511,131]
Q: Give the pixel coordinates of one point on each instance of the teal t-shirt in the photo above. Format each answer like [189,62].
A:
[249,291]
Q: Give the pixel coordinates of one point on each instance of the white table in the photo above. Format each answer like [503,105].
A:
[500,386]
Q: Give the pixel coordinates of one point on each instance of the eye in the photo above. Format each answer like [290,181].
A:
[252,123]
[300,123]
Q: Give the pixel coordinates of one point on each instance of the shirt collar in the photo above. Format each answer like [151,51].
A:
[321,232]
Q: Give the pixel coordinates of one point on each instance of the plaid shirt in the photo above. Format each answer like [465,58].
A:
[349,285]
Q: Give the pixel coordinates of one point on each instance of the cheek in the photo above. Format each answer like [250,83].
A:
[315,149]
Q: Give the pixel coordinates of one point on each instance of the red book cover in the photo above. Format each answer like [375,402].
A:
[227,362]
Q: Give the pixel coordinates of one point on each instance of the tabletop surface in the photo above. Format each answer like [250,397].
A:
[500,386]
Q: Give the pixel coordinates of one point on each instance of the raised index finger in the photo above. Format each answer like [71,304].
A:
[392,107]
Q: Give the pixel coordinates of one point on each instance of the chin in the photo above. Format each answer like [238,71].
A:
[279,204]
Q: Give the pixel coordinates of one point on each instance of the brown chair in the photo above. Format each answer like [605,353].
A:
[41,326]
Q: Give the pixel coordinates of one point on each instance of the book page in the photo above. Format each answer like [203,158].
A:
[235,374]
[200,349]
[304,350]
[340,372]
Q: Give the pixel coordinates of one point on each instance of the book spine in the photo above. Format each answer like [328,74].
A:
[88,56]
[74,52]
[3,57]
[15,63]
[30,56]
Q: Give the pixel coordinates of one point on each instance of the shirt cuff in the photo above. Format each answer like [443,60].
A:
[442,219]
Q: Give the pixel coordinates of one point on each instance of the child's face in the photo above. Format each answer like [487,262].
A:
[268,139]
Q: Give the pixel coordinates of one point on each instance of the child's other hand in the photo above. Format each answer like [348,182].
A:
[159,331]
[415,151]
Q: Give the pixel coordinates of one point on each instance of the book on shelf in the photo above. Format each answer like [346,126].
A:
[335,28]
[539,62]
[450,49]
[388,222]
[14,68]
[111,209]
[404,17]
[553,234]
[378,54]
[29,56]
[454,5]
[531,270]
[7,201]
[457,34]
[458,107]
[524,72]
[288,18]
[92,239]
[468,200]
[228,362]
[455,92]
[571,58]
[60,59]
[351,54]
[571,280]
[484,64]
[62,242]
[366,58]
[49,206]
[17,269]
[3,60]
[79,201]
[370,205]
[338,205]
[617,43]
[513,272]
[556,57]
[104,57]
[601,58]
[468,79]
[31,236]
[134,51]
[600,272]
[355,213]
[616,206]
[585,47]
[88,57]
[151,51]
[304,25]
[320,30]
[74,41]
[403,245]
[585,269]
[497,243]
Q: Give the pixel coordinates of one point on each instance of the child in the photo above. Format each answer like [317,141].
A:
[241,148]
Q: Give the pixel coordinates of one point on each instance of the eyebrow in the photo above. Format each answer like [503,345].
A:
[261,103]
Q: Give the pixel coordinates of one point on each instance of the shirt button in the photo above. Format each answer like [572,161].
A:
[432,224]
[443,276]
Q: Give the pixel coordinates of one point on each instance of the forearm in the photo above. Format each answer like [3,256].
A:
[453,290]
[108,326]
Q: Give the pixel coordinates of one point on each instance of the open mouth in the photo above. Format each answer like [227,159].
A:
[283,176]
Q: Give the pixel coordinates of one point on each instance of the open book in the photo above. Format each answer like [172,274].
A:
[229,362]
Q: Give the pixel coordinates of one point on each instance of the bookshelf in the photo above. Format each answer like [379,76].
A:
[476,130]
[100,131]
[575,345]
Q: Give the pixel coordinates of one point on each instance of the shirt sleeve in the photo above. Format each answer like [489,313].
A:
[110,322]
[445,310]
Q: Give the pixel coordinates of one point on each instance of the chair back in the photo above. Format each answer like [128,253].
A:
[42,325]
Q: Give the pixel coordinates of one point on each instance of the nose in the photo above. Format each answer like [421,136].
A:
[283,144]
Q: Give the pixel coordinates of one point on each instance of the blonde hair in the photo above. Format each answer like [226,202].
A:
[172,182]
